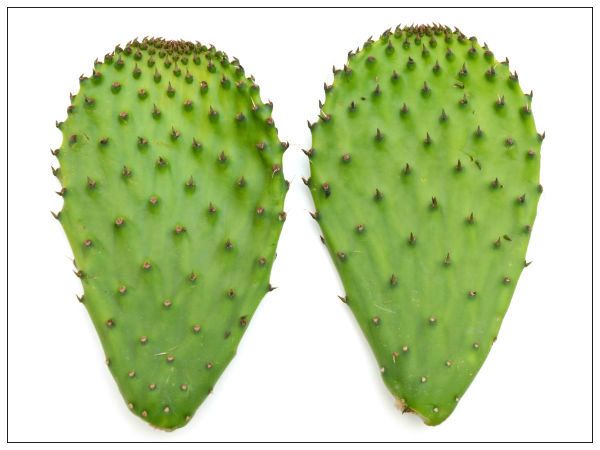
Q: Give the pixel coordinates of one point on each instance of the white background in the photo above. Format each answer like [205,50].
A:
[303,371]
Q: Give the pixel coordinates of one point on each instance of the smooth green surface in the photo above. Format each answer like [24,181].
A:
[431,305]
[169,269]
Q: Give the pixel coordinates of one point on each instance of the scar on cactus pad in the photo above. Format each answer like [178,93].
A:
[425,175]
[170,169]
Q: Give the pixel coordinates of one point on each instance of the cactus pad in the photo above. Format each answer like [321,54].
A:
[173,196]
[425,175]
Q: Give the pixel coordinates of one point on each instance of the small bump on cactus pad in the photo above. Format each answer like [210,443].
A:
[425,175]
[173,195]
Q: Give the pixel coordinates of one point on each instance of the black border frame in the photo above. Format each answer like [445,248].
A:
[591,8]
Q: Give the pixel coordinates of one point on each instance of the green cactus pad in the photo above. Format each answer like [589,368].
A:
[173,196]
[425,175]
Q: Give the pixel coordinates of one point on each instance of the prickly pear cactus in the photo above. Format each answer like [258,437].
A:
[173,195]
[425,175]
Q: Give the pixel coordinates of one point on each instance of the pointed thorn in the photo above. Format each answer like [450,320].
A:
[427,139]
[412,239]
[447,260]
[309,152]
